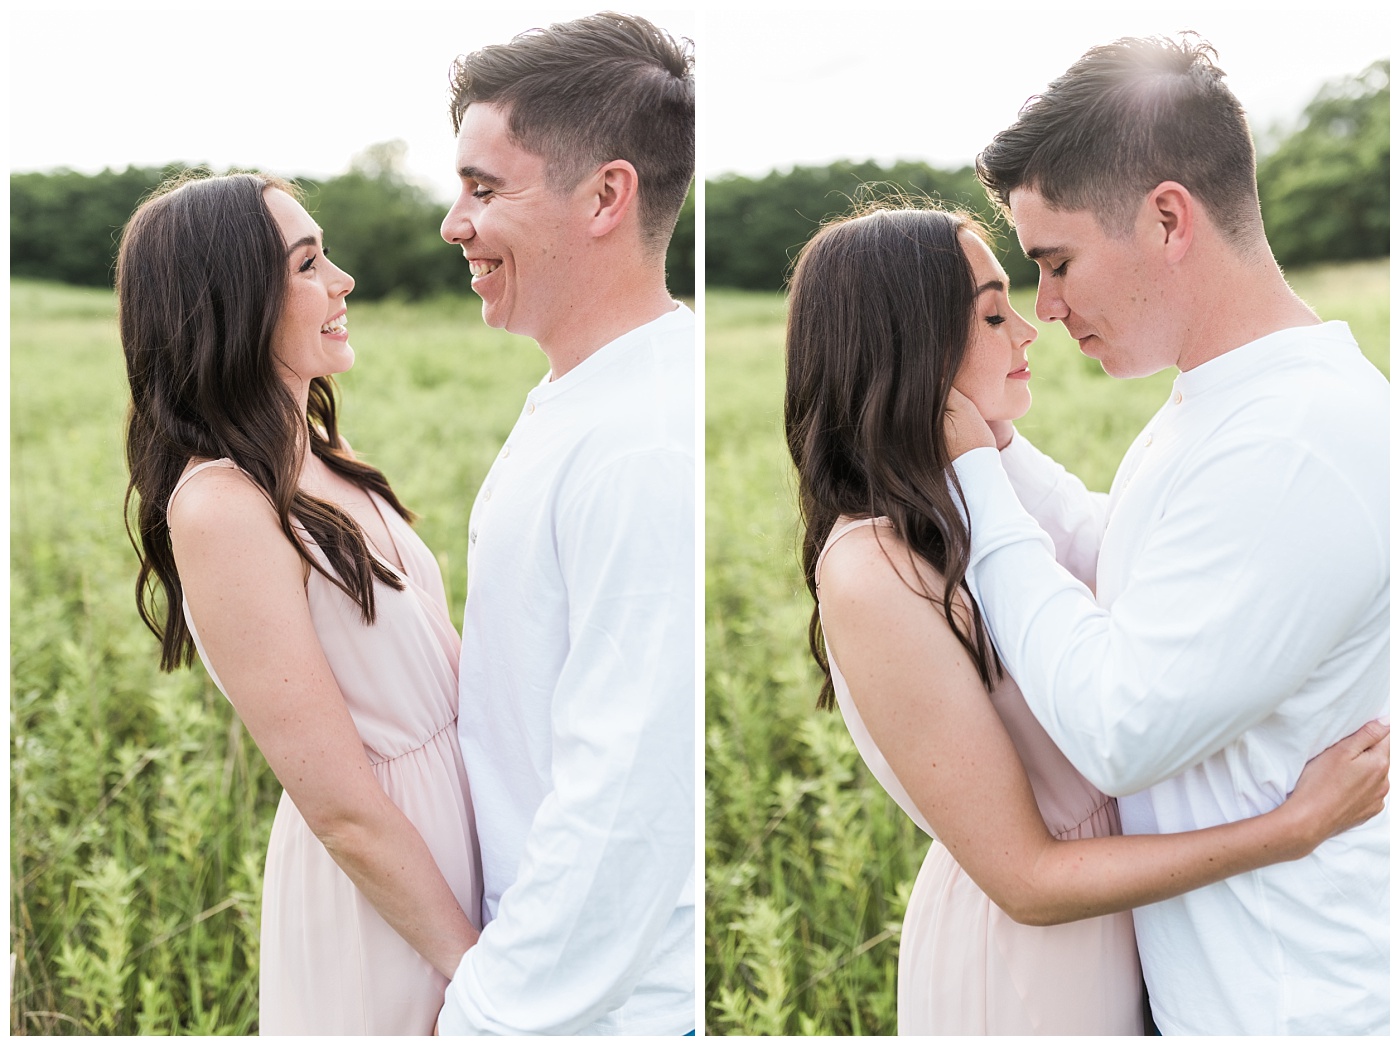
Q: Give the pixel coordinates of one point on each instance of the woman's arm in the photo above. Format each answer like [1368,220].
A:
[244,584]
[923,703]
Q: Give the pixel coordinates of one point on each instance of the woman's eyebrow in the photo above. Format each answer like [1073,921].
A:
[305,241]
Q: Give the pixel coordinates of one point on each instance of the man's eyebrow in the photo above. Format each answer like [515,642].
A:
[1036,253]
[476,174]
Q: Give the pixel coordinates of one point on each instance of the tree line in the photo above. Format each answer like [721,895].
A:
[382,228]
[1324,189]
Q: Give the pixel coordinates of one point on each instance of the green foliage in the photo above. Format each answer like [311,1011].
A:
[382,228]
[1325,191]
[754,227]
[64,226]
[680,253]
[808,864]
[139,807]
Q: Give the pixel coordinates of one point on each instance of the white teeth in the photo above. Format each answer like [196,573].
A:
[483,268]
[336,326]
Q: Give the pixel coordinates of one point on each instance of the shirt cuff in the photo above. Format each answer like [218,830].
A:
[996,517]
[452,1020]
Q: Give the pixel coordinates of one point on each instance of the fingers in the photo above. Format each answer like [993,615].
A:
[1383,747]
[1370,735]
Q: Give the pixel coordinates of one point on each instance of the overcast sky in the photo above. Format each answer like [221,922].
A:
[300,91]
[296,91]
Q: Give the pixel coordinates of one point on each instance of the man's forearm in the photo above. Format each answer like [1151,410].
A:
[1071,515]
[1205,639]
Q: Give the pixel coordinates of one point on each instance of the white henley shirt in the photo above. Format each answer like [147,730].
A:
[577,715]
[1238,624]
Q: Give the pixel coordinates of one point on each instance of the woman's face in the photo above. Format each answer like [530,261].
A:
[311,339]
[994,373]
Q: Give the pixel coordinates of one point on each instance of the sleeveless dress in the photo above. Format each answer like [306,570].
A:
[965,967]
[330,964]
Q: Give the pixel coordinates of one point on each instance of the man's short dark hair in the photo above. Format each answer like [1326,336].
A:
[581,93]
[1124,118]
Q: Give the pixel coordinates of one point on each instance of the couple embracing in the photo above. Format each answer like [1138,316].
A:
[1209,641]
[492,834]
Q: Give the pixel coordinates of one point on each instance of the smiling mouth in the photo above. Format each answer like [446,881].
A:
[335,326]
[481,267]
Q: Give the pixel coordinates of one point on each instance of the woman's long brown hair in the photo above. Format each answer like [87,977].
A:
[201,277]
[880,311]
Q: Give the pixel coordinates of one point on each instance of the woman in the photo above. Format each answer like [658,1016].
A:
[888,312]
[290,567]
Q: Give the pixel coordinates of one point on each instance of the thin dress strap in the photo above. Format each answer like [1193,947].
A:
[842,531]
[191,473]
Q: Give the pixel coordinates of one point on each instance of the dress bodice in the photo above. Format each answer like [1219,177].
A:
[1070,805]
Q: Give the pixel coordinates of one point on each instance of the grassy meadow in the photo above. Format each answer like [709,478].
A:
[139,808]
[808,863]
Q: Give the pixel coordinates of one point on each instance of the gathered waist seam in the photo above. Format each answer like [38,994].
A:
[1069,833]
[451,725]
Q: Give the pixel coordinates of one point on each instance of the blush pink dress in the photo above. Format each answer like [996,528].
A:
[330,965]
[965,967]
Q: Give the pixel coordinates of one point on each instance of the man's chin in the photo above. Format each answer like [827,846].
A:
[492,317]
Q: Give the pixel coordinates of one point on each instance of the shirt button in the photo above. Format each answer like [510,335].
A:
[1148,441]
[486,495]
[505,451]
[529,408]
[1176,396]
[472,538]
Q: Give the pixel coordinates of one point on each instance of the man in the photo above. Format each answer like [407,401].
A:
[575,149]
[1236,616]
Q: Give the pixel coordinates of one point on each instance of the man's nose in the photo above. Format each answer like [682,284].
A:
[1049,304]
[457,225]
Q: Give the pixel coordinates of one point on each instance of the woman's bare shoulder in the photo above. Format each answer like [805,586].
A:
[221,505]
[870,564]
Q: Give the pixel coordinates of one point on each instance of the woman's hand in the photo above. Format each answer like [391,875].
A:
[1344,785]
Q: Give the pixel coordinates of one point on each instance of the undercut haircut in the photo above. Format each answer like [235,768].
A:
[1124,118]
[582,93]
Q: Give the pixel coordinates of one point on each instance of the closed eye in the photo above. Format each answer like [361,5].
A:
[995,320]
[481,193]
[1059,270]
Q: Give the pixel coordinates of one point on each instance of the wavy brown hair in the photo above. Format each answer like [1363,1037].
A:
[880,311]
[201,278]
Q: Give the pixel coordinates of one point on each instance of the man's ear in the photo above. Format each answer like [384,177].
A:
[1172,211]
[612,196]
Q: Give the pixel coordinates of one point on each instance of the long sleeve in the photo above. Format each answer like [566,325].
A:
[1072,516]
[1226,610]
[609,859]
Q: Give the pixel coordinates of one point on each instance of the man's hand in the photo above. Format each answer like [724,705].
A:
[1002,431]
[963,426]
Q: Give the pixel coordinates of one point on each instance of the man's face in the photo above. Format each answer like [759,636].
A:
[521,237]
[1107,290]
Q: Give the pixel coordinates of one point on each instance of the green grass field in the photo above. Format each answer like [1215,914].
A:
[139,808]
[808,863]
